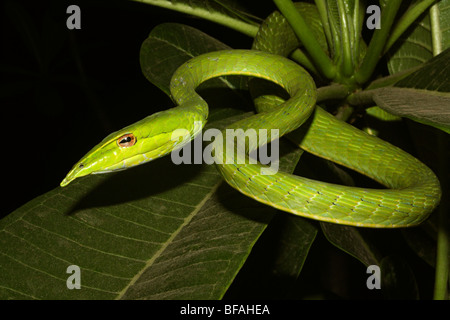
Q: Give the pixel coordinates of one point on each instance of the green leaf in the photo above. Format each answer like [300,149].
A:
[353,241]
[415,46]
[282,39]
[432,76]
[224,12]
[171,44]
[296,237]
[275,39]
[419,105]
[109,233]
[423,95]
[443,10]
[276,261]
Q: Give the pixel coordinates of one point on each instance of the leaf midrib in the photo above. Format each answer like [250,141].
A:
[158,253]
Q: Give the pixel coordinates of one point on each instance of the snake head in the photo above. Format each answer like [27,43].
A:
[113,153]
[143,141]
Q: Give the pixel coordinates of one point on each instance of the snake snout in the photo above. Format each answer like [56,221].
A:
[75,172]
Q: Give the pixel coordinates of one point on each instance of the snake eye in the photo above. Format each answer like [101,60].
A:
[127,140]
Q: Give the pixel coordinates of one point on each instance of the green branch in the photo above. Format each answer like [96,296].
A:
[301,29]
[334,91]
[323,12]
[304,60]
[377,42]
[436,31]
[347,65]
[357,26]
[443,235]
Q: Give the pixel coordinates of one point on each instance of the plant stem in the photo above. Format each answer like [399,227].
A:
[347,66]
[336,53]
[304,60]
[378,42]
[357,26]
[443,236]
[405,22]
[436,32]
[301,29]
[322,8]
[441,277]
[334,91]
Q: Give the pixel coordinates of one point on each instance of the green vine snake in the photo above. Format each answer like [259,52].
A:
[412,190]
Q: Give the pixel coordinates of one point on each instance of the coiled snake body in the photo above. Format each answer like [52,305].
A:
[412,192]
